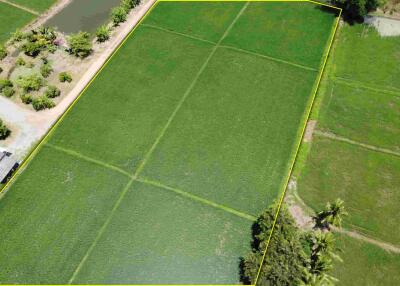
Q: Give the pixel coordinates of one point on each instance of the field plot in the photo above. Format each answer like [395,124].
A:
[12,18]
[37,5]
[183,139]
[355,152]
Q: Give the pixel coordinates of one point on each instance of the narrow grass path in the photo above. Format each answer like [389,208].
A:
[352,142]
[29,10]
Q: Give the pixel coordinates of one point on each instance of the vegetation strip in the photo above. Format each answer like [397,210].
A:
[355,83]
[29,10]
[268,57]
[352,142]
[86,158]
[177,33]
[333,33]
[185,95]
[198,199]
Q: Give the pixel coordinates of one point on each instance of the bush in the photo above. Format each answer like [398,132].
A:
[3,52]
[18,36]
[31,48]
[64,76]
[4,131]
[46,70]
[52,92]
[5,83]
[118,15]
[42,102]
[8,91]
[103,33]
[30,83]
[79,44]
[20,62]
[26,98]
[356,10]
[38,40]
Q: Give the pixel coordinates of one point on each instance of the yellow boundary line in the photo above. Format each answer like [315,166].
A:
[300,137]
[58,121]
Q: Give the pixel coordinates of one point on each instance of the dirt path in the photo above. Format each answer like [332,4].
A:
[29,10]
[386,27]
[28,125]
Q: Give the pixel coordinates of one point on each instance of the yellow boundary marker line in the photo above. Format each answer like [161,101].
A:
[58,121]
[300,137]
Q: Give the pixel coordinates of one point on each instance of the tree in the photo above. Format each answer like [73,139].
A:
[118,15]
[42,102]
[357,9]
[103,33]
[30,83]
[65,77]
[80,44]
[3,52]
[286,257]
[4,131]
[332,215]
[37,40]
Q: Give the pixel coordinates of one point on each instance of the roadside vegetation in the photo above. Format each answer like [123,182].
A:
[295,256]
[4,131]
[356,10]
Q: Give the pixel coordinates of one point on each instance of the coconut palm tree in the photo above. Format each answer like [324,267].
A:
[332,215]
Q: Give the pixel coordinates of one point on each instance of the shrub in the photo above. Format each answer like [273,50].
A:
[31,48]
[103,33]
[38,40]
[356,10]
[42,102]
[26,98]
[30,82]
[18,36]
[8,91]
[64,76]
[79,44]
[52,92]
[118,15]
[5,83]
[20,62]
[46,70]
[3,52]
[4,131]
[128,4]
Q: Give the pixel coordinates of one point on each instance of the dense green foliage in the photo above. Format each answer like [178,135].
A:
[4,131]
[46,70]
[80,44]
[26,98]
[38,40]
[20,62]
[103,33]
[357,9]
[42,102]
[3,52]
[8,91]
[30,83]
[18,36]
[5,83]
[118,15]
[52,92]
[64,77]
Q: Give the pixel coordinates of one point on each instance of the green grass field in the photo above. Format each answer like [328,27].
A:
[12,18]
[360,102]
[37,5]
[181,141]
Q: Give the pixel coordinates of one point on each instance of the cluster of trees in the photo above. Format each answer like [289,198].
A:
[295,257]
[4,131]
[36,40]
[356,10]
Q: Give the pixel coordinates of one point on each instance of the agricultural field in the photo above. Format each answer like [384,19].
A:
[12,18]
[37,5]
[159,170]
[355,153]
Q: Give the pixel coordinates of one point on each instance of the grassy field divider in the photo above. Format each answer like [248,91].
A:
[197,199]
[301,134]
[26,9]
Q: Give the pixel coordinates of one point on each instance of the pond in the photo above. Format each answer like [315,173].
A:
[83,15]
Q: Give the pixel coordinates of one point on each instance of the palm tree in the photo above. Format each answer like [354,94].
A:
[332,215]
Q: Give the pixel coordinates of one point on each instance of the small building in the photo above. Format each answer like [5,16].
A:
[8,164]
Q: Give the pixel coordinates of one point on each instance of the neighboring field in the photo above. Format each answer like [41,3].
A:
[12,18]
[361,104]
[37,5]
[197,139]
[365,264]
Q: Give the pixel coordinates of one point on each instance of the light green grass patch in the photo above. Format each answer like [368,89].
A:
[367,181]
[363,115]
[365,264]
[37,5]
[233,137]
[121,114]
[159,237]
[365,56]
[296,32]
[206,20]
[51,215]
[12,18]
